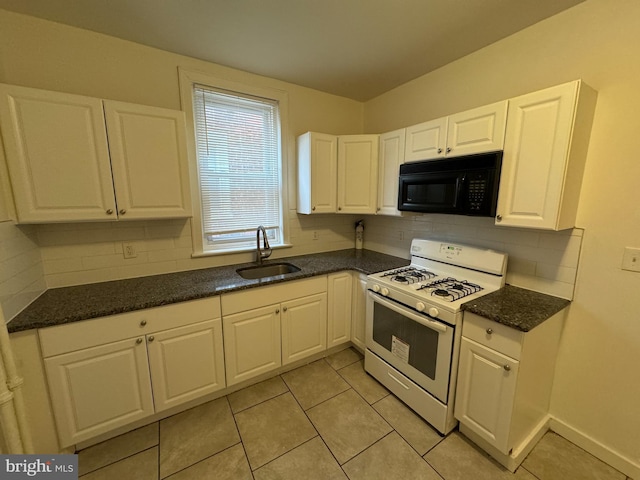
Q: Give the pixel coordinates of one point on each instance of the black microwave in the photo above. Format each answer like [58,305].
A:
[463,186]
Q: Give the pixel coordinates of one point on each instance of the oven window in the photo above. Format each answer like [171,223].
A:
[408,340]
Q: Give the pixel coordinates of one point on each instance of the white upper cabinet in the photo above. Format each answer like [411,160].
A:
[426,140]
[149,162]
[337,173]
[544,156]
[357,173]
[474,131]
[391,156]
[58,154]
[317,173]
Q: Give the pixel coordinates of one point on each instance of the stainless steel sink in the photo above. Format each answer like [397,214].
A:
[264,271]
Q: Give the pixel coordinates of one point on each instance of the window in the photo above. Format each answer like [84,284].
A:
[239,164]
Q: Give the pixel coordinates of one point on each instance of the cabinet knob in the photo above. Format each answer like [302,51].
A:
[339,208]
[122,211]
[499,218]
[138,341]
[110,212]
[507,368]
[489,331]
[277,310]
[439,150]
[313,208]
[143,323]
[378,209]
[448,149]
[284,309]
[152,338]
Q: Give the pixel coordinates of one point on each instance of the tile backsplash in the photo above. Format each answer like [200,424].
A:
[543,261]
[80,253]
[21,269]
[59,255]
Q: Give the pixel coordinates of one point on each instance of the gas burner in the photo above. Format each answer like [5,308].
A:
[409,275]
[450,288]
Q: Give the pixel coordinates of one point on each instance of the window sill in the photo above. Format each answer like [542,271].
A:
[231,252]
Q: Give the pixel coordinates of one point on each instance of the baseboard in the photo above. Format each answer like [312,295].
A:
[595,448]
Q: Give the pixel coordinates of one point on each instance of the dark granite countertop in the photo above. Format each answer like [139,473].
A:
[71,304]
[517,307]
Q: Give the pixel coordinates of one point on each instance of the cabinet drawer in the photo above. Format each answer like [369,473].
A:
[496,336]
[99,331]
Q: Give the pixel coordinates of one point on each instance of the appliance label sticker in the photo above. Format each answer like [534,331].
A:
[400,348]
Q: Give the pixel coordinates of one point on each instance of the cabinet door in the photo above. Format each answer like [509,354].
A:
[186,363]
[357,173]
[426,141]
[340,308]
[535,157]
[477,131]
[317,173]
[391,156]
[98,389]
[486,391]
[251,343]
[149,160]
[57,154]
[359,311]
[304,327]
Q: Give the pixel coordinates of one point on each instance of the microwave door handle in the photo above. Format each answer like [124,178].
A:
[459,184]
[440,327]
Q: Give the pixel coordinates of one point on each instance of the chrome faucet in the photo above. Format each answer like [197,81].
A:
[265,252]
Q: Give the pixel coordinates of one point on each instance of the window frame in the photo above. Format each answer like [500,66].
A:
[187,80]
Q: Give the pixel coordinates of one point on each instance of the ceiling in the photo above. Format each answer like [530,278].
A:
[352,48]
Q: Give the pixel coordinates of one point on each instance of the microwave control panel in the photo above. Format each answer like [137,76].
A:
[476,192]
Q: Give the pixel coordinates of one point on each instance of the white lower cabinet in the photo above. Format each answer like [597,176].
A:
[359,313]
[252,343]
[504,385]
[304,327]
[339,291]
[260,336]
[186,363]
[111,371]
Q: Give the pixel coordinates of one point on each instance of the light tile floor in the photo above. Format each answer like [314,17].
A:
[326,420]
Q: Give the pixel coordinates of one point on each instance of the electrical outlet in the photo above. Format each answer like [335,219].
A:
[129,250]
[631,259]
[315,235]
[401,235]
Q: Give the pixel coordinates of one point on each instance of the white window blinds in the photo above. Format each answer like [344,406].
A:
[239,165]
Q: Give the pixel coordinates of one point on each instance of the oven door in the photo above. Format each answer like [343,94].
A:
[415,344]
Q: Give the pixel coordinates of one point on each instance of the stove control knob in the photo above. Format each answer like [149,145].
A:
[420,306]
[376,288]
[384,291]
[433,311]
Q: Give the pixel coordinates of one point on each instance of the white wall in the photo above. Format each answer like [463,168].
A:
[597,384]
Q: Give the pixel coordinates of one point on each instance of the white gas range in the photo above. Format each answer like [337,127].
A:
[413,324]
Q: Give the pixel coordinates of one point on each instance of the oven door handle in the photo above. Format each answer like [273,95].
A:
[440,327]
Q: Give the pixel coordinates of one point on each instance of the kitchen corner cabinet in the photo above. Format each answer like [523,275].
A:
[391,157]
[478,130]
[108,372]
[359,312]
[504,385]
[317,173]
[545,151]
[65,162]
[260,336]
[337,173]
[339,296]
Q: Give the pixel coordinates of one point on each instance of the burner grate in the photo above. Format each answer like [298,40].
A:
[451,289]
